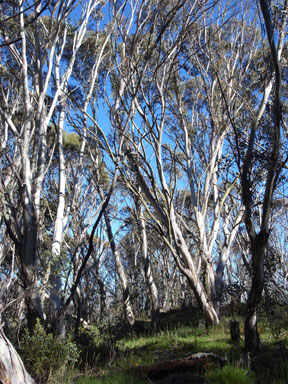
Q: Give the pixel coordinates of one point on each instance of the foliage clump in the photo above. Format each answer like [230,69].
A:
[45,356]
[89,345]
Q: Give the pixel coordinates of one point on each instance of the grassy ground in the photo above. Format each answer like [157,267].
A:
[181,337]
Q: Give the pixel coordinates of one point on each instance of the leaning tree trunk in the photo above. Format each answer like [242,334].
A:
[12,369]
[180,249]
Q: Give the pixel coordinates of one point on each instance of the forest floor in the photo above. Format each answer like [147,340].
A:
[132,359]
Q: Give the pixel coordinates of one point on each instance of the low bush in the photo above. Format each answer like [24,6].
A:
[90,346]
[44,356]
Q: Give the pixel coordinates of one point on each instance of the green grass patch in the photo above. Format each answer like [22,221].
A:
[119,378]
[179,338]
[229,375]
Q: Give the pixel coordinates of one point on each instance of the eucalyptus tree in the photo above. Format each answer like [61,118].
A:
[148,59]
[94,63]
[199,129]
[263,145]
[97,134]
[37,58]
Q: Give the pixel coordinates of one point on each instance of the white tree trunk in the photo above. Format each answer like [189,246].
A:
[180,249]
[12,370]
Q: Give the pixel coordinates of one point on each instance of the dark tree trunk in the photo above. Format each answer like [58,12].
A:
[77,304]
[103,306]
[26,248]
[219,281]
[252,339]
[32,302]
[31,315]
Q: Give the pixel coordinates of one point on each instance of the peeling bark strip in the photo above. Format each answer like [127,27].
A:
[196,363]
[12,370]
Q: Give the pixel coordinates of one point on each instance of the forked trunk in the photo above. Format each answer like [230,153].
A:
[209,312]
[180,250]
[206,306]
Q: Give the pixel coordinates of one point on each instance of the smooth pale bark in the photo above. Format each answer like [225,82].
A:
[179,248]
[208,214]
[78,306]
[77,294]
[168,271]
[31,136]
[206,306]
[12,370]
[57,315]
[207,237]
[229,236]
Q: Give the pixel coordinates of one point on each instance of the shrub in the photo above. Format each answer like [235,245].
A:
[99,344]
[89,345]
[44,356]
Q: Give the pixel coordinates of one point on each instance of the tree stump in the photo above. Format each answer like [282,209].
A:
[234,330]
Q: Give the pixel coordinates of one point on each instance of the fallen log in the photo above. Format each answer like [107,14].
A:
[196,363]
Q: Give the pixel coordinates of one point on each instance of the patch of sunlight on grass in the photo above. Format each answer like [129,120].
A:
[177,342]
[206,345]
